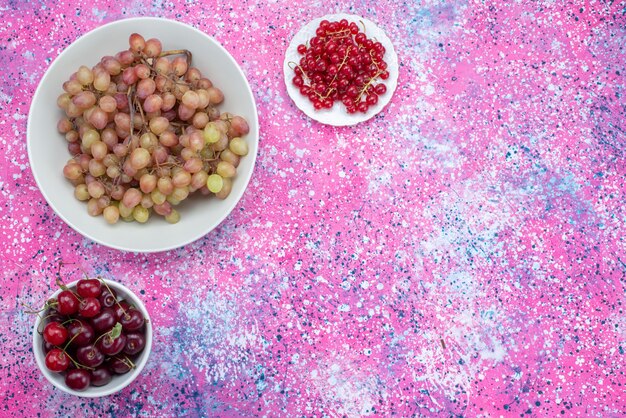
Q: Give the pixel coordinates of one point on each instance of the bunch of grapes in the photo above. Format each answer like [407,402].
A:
[145,133]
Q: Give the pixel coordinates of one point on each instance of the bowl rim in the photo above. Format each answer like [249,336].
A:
[103,390]
[234,199]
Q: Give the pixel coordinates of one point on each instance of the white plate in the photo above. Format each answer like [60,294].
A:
[337,115]
[47,149]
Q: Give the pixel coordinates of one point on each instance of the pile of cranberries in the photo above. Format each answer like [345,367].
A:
[90,335]
[342,64]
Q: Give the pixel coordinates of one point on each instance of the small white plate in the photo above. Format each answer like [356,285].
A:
[337,115]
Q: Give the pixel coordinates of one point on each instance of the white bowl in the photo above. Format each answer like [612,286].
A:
[47,149]
[119,382]
[338,115]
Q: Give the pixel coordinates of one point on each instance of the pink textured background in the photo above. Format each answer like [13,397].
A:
[461,254]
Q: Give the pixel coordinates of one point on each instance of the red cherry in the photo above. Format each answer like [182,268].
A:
[68,303]
[107,298]
[55,333]
[101,376]
[89,356]
[111,346]
[132,320]
[118,365]
[89,307]
[104,321]
[80,333]
[135,342]
[78,379]
[89,288]
[57,361]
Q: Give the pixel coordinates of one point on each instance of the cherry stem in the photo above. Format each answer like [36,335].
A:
[77,364]
[111,292]
[73,338]
[128,362]
[69,321]
[42,322]
[106,334]
[34,310]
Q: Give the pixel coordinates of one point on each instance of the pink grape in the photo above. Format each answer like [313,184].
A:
[131,198]
[144,132]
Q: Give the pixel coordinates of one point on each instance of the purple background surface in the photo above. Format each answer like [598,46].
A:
[462,253]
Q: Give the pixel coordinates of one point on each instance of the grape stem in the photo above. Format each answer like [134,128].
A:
[131,108]
[143,118]
[178,52]
[152,69]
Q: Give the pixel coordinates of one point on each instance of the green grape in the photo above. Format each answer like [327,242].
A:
[211,133]
[141,214]
[173,217]
[239,146]
[214,183]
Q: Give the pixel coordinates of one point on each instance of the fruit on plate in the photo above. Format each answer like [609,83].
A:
[145,132]
[340,63]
